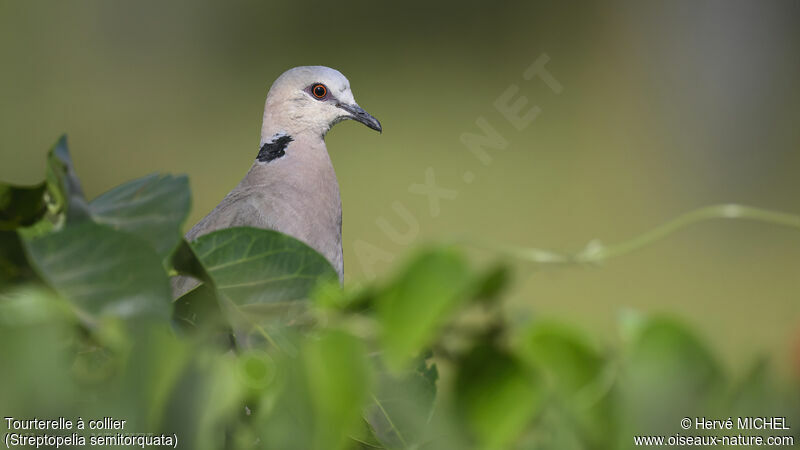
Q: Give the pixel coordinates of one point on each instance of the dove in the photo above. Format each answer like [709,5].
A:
[291,186]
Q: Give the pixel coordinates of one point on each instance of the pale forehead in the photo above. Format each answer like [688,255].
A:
[306,75]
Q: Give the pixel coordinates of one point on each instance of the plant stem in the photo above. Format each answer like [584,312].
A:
[596,252]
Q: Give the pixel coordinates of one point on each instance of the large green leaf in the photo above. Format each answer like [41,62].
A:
[21,206]
[253,266]
[419,301]
[102,271]
[259,279]
[153,208]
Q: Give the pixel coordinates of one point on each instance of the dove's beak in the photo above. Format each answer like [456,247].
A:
[358,114]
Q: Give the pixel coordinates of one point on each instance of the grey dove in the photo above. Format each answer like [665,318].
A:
[291,186]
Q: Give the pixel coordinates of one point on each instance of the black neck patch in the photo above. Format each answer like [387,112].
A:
[274,149]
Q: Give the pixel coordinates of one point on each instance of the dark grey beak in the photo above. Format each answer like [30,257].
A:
[359,115]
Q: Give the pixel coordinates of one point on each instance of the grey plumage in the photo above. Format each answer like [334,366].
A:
[293,189]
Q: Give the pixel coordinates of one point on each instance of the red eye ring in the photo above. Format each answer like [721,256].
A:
[319,90]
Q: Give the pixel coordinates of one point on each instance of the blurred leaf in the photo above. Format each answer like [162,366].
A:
[152,207]
[21,206]
[630,323]
[63,185]
[14,267]
[754,396]
[339,382]
[492,282]
[31,305]
[761,393]
[417,303]
[667,365]
[199,309]
[250,265]
[101,270]
[403,405]
[351,297]
[583,383]
[35,334]
[206,402]
[256,369]
[561,352]
[321,390]
[153,369]
[496,395]
[666,349]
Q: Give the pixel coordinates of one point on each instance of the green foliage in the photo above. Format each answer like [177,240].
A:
[570,362]
[251,266]
[497,396]
[266,350]
[338,383]
[21,206]
[14,268]
[419,301]
[101,270]
[153,208]
[64,192]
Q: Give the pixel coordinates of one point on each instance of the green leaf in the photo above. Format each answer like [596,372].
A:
[102,271]
[665,350]
[184,261]
[581,379]
[21,206]
[321,390]
[199,308]
[35,374]
[339,381]
[491,283]
[55,200]
[496,395]
[14,267]
[403,404]
[261,279]
[349,298]
[419,301]
[667,365]
[251,265]
[206,402]
[561,352]
[153,207]
[31,305]
[63,186]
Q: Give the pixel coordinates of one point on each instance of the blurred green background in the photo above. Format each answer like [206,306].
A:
[666,107]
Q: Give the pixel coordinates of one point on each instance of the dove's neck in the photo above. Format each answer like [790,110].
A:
[300,181]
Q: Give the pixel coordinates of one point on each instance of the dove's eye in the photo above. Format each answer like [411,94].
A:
[319,90]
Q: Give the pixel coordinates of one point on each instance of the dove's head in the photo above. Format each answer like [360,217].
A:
[311,99]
